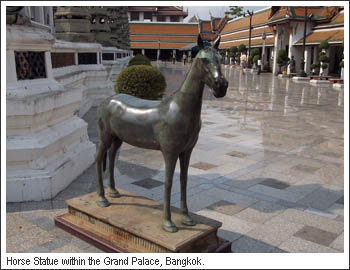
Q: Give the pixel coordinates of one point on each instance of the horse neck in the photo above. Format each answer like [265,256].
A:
[193,83]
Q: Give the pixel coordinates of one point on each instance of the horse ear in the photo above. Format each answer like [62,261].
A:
[200,42]
[217,42]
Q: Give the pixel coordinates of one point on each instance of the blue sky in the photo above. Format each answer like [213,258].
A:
[216,11]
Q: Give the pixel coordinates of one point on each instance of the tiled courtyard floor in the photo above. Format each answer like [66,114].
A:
[269,164]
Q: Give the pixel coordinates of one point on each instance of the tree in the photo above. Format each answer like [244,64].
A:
[235,11]
[242,48]
[254,52]
[282,58]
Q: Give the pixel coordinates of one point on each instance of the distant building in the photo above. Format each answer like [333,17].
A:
[283,28]
[160,32]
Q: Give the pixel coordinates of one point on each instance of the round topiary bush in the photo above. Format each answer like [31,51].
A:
[242,48]
[324,66]
[256,58]
[324,45]
[139,59]
[142,81]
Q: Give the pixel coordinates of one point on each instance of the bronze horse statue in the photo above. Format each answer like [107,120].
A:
[170,125]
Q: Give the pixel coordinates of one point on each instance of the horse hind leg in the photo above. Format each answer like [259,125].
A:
[105,140]
[112,153]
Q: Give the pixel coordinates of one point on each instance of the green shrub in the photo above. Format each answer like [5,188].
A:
[242,48]
[139,59]
[324,58]
[233,50]
[341,64]
[324,45]
[142,81]
[282,58]
[324,66]
[315,66]
[254,52]
[256,58]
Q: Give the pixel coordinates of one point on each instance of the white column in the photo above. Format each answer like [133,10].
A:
[141,16]
[143,51]
[290,50]
[307,59]
[154,18]
[41,15]
[167,18]
[11,74]
[48,65]
[275,67]
[76,58]
[263,55]
[158,54]
[181,18]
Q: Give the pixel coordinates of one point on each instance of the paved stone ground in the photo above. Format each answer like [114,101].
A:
[269,164]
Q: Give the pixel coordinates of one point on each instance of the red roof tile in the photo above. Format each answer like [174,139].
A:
[254,42]
[258,19]
[166,28]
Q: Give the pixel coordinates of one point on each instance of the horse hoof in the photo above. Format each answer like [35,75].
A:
[113,193]
[170,227]
[188,221]
[103,203]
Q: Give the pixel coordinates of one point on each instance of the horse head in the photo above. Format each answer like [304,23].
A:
[209,62]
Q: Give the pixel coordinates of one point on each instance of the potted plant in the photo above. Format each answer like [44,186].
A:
[282,60]
[341,64]
[232,52]
[323,58]
[254,52]
[315,68]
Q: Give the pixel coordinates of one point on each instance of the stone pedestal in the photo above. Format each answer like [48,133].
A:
[319,82]
[301,79]
[134,224]
[338,86]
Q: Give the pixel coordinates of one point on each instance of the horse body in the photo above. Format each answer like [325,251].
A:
[171,126]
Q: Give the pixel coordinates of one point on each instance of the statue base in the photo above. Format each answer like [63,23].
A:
[134,224]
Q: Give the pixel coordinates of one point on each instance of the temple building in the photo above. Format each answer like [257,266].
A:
[281,27]
[60,61]
[160,32]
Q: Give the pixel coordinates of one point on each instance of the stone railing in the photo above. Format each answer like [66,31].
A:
[89,72]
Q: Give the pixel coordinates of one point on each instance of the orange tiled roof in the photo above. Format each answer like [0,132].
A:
[163,38]
[217,22]
[206,26]
[254,42]
[245,34]
[209,36]
[339,19]
[327,12]
[300,11]
[318,36]
[257,19]
[154,45]
[163,29]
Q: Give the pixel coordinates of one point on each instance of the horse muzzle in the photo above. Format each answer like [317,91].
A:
[220,87]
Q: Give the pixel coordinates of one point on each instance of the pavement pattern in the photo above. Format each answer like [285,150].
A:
[269,164]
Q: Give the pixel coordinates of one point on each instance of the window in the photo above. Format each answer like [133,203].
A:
[147,16]
[160,18]
[134,16]
[30,65]
[174,18]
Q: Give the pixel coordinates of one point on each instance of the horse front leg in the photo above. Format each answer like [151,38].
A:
[112,153]
[184,163]
[170,163]
[100,156]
